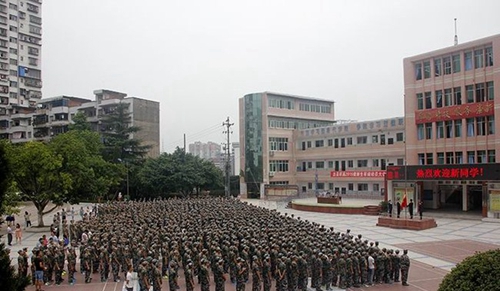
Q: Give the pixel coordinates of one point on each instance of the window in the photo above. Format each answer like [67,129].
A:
[362,186]
[421,159]
[457,95]
[480,93]
[278,143]
[428,159]
[349,141]
[319,143]
[278,166]
[470,126]
[478,59]
[459,158]
[376,187]
[375,163]
[456,63]
[362,163]
[350,186]
[428,130]
[447,65]
[390,140]
[448,100]
[440,158]
[400,162]
[468,61]
[448,128]
[420,101]
[488,55]
[362,139]
[309,144]
[399,136]
[309,165]
[330,164]
[490,91]
[449,158]
[350,164]
[427,69]
[471,157]
[437,67]
[309,185]
[342,142]
[428,100]
[418,71]
[330,142]
[439,98]
[491,124]
[330,186]
[382,139]
[481,157]
[470,93]
[480,126]
[491,156]
[458,127]
[420,131]
[374,138]
[320,165]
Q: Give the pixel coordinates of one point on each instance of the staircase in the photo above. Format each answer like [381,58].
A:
[371,210]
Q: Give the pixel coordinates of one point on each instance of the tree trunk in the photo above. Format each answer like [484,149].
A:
[40,216]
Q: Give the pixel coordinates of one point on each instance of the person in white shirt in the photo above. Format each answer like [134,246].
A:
[85,238]
[129,279]
[371,269]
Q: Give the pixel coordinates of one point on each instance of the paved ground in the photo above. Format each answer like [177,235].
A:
[433,252]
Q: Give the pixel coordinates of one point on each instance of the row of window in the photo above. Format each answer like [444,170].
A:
[285,123]
[348,164]
[342,142]
[278,166]
[446,65]
[478,126]
[278,144]
[276,102]
[448,97]
[315,108]
[473,157]
[364,187]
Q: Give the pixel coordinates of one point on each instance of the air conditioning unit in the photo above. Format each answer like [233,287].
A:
[271,153]
[271,174]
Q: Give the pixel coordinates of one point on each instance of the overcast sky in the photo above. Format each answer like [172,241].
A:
[198,57]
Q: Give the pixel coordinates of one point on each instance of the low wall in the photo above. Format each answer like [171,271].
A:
[367,210]
[411,224]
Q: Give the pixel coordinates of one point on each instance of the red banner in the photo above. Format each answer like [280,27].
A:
[454,112]
[364,174]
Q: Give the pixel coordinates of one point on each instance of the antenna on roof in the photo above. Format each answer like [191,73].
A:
[456,36]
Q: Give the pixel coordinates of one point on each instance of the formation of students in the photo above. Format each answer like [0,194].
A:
[211,241]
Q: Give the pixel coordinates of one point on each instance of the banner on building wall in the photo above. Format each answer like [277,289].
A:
[495,200]
[364,174]
[399,193]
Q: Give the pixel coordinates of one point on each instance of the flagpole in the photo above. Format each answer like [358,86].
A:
[406,158]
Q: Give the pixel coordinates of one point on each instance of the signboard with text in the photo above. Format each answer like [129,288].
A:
[455,112]
[364,174]
[471,172]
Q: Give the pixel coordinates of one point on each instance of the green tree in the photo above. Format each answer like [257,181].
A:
[4,171]
[91,176]
[10,280]
[80,122]
[478,272]
[117,133]
[37,172]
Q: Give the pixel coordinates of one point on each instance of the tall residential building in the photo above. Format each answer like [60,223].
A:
[54,115]
[267,124]
[209,151]
[452,106]
[20,66]
[236,166]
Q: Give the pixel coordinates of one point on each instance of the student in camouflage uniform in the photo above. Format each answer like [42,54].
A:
[334,263]
[256,274]
[326,271]
[281,282]
[115,264]
[188,275]
[103,263]
[71,255]
[21,266]
[144,280]
[363,266]
[86,262]
[204,275]
[156,279]
[172,277]
[266,273]
[356,268]
[302,273]
[219,276]
[396,266]
[58,265]
[405,267]
[342,267]
[242,274]
[315,272]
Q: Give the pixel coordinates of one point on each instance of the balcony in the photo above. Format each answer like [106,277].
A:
[18,128]
[20,116]
[33,83]
[33,8]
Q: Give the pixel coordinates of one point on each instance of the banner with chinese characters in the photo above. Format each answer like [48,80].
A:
[364,174]
[495,200]
[471,172]
[454,112]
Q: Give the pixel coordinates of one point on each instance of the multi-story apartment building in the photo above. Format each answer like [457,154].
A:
[267,124]
[345,158]
[453,143]
[20,66]
[210,151]
[53,116]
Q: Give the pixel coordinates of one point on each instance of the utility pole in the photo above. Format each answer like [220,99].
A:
[228,131]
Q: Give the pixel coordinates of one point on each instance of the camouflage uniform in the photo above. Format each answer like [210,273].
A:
[204,277]
[266,274]
[256,275]
[396,266]
[405,267]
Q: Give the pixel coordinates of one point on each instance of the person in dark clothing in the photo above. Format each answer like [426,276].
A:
[398,207]
[39,268]
[420,208]
[389,208]
[410,208]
